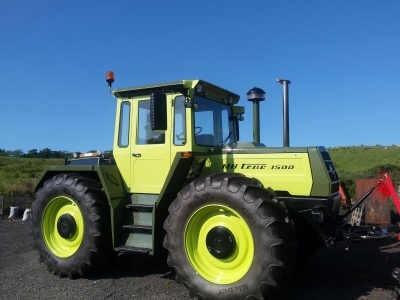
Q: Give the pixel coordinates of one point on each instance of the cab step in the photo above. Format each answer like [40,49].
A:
[134,249]
[139,228]
[141,207]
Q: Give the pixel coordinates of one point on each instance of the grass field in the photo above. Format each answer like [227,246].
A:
[353,163]
[358,160]
[18,176]
[12,168]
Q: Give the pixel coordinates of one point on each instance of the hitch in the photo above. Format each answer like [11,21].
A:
[358,234]
[360,201]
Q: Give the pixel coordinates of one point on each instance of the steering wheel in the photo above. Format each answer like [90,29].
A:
[197,130]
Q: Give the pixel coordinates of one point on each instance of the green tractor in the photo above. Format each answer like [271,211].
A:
[233,216]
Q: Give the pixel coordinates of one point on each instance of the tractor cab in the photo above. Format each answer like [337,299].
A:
[155,122]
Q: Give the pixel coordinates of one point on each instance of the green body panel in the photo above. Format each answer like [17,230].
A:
[322,185]
[291,171]
[177,175]
[114,187]
[109,175]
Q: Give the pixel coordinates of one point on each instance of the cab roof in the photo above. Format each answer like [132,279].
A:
[181,86]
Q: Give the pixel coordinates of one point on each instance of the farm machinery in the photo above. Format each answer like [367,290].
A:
[233,217]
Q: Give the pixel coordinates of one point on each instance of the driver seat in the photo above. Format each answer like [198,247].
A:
[205,139]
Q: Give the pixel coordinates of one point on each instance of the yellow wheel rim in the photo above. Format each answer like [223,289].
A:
[225,270]
[55,211]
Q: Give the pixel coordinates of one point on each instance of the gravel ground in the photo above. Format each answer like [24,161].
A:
[363,273]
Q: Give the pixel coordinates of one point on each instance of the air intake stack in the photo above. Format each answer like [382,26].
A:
[256,95]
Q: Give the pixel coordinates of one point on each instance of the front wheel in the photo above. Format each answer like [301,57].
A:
[71,225]
[228,238]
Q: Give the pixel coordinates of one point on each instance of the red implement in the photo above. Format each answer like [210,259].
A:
[386,187]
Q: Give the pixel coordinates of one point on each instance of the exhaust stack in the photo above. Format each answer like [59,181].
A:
[256,95]
[285,84]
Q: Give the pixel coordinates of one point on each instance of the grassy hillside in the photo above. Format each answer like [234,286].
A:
[18,175]
[15,167]
[358,160]
[353,163]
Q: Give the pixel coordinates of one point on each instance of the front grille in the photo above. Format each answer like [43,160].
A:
[333,175]
[325,155]
[331,170]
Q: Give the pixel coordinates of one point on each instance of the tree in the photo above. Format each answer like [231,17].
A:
[5,153]
[32,153]
[45,153]
[59,154]
[17,153]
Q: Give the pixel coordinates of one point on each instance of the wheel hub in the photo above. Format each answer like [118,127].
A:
[66,226]
[220,242]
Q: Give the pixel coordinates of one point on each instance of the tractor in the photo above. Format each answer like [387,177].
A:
[233,218]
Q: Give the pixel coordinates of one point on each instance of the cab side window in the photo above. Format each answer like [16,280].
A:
[179,121]
[145,134]
[124,120]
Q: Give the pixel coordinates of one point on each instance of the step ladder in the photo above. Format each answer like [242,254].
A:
[137,234]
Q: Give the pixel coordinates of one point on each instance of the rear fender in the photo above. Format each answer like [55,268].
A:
[111,182]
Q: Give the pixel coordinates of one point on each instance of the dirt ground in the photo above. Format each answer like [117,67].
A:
[363,272]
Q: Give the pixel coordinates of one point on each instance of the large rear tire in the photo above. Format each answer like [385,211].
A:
[229,238]
[71,225]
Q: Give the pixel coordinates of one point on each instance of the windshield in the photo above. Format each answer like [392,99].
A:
[213,126]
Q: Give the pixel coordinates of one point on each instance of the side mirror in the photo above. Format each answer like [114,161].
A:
[158,111]
[238,112]
[190,104]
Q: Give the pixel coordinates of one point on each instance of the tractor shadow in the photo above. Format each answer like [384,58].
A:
[126,265]
[363,272]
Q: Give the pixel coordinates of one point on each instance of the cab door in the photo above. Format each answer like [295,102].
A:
[150,152]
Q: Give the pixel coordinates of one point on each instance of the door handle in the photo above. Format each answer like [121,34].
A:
[136,154]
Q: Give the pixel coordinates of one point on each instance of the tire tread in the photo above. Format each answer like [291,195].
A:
[99,238]
[263,203]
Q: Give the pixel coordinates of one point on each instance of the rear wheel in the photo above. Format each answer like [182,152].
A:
[228,238]
[71,225]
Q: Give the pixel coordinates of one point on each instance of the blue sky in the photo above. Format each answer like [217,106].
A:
[342,57]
